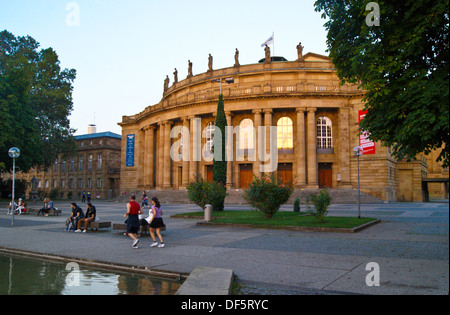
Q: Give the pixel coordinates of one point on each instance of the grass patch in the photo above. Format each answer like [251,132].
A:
[280,219]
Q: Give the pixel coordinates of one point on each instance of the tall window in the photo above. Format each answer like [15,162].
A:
[285,135]
[99,162]
[246,136]
[90,163]
[210,137]
[81,163]
[324,133]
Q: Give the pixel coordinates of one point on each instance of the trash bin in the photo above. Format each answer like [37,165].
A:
[208,213]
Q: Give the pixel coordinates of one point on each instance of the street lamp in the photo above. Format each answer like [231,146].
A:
[227,80]
[13,153]
[358,151]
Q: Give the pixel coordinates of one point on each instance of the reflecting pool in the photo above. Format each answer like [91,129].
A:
[29,276]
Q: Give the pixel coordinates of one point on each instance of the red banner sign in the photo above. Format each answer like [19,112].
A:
[364,141]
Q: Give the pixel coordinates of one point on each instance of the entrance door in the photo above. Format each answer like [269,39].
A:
[209,173]
[246,175]
[325,175]
[285,172]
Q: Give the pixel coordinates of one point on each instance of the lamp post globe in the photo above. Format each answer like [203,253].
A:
[14,153]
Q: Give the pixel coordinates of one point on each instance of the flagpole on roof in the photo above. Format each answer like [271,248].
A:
[273,43]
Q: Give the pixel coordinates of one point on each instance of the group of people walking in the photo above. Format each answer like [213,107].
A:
[154,220]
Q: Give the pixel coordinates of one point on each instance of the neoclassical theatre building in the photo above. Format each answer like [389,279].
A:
[317,120]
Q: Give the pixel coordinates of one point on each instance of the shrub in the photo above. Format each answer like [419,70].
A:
[267,194]
[297,205]
[321,203]
[202,192]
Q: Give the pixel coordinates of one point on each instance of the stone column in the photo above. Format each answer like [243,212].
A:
[257,124]
[160,167]
[167,159]
[149,157]
[268,122]
[229,150]
[345,151]
[186,159]
[312,149]
[301,148]
[195,150]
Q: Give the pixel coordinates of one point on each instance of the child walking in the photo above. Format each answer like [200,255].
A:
[157,223]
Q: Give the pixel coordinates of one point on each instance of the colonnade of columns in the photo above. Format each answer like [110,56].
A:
[158,164]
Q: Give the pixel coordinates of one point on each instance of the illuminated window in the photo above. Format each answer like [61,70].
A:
[324,133]
[285,134]
[246,135]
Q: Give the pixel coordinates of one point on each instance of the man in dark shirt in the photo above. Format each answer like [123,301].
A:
[91,213]
[77,214]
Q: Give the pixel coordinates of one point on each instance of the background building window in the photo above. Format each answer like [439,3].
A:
[99,162]
[90,163]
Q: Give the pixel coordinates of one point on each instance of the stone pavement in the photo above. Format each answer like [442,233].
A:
[410,247]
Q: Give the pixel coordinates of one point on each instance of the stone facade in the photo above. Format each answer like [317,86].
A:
[306,91]
[95,169]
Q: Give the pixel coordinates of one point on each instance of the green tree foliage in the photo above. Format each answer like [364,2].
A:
[220,165]
[203,193]
[403,65]
[35,102]
[321,202]
[267,194]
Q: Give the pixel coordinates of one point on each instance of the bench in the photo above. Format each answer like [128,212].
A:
[55,211]
[123,227]
[99,225]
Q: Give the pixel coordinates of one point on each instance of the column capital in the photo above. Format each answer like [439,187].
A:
[268,110]
[229,113]
[301,110]
[150,127]
[312,109]
[256,111]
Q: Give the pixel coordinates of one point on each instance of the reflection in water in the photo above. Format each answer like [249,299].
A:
[26,276]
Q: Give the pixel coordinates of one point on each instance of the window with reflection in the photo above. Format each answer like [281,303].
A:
[285,135]
[324,133]
[246,136]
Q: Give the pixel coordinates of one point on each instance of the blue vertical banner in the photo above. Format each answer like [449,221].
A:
[131,140]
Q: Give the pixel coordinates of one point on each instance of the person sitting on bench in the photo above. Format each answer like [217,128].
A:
[91,213]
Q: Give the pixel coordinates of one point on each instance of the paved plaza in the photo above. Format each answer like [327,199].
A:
[410,246]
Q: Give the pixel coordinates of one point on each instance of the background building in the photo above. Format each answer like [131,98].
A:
[318,127]
[95,169]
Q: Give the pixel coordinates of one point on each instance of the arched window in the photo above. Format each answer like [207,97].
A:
[285,135]
[246,136]
[324,133]
[210,136]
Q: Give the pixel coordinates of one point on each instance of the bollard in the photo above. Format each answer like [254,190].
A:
[208,213]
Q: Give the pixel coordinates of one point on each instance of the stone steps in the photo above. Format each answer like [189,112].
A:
[339,196]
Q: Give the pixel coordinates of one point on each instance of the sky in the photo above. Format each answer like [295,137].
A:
[123,50]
